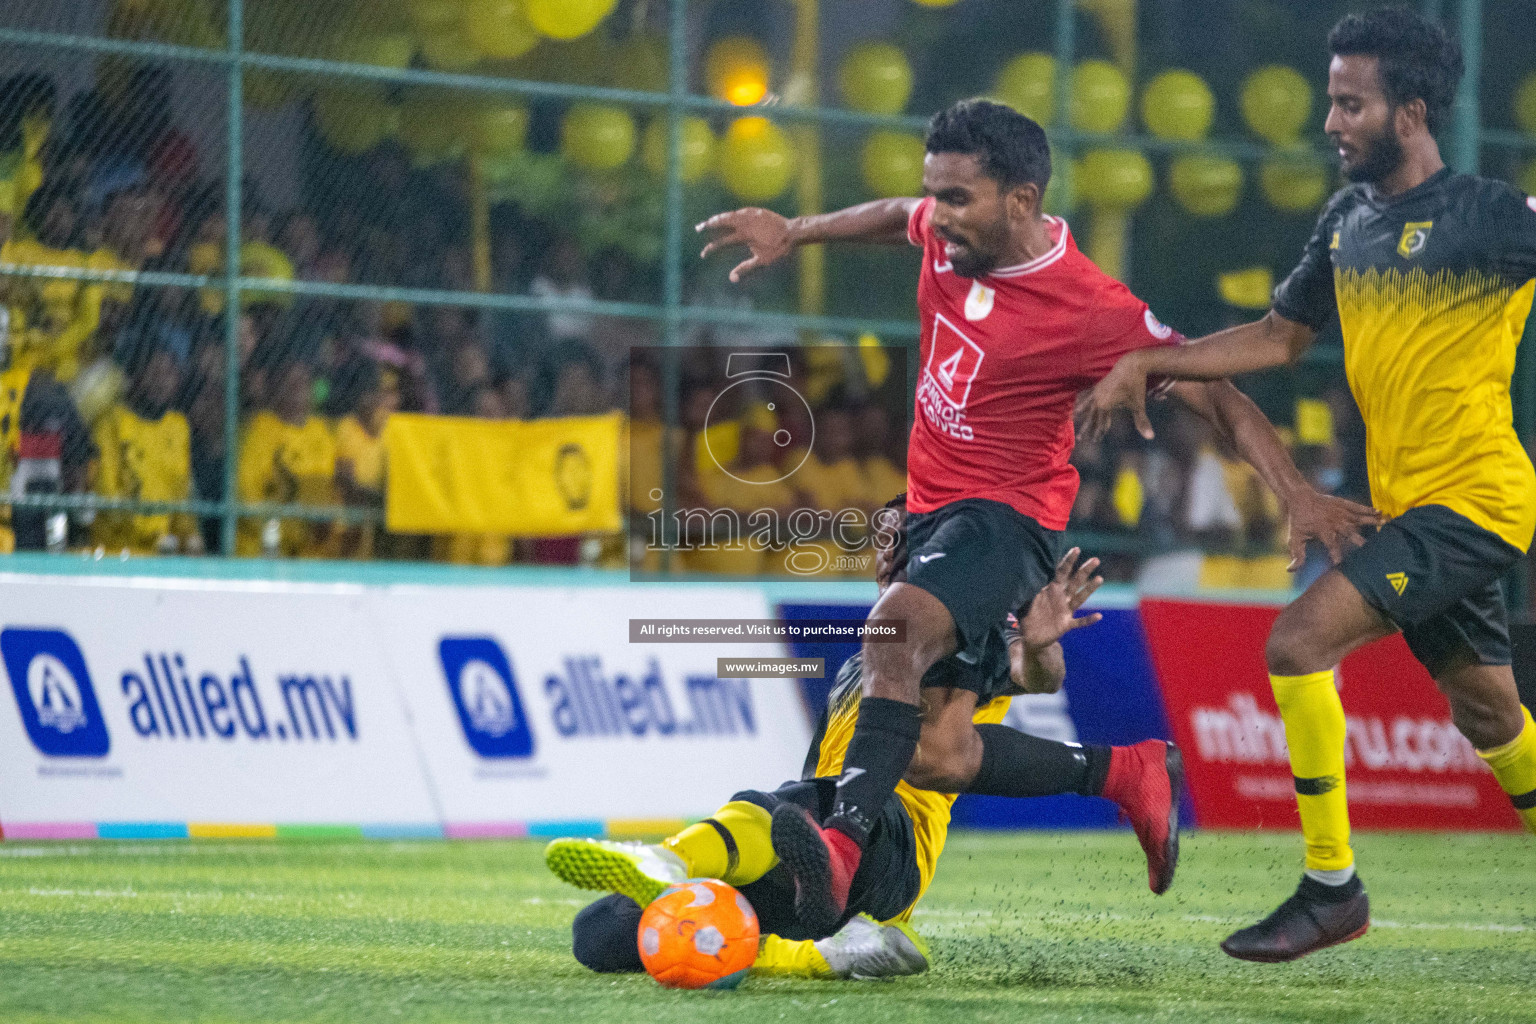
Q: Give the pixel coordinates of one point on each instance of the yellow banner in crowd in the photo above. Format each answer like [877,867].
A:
[544,478]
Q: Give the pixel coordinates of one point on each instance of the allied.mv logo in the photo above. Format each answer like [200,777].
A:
[54,693]
[484,693]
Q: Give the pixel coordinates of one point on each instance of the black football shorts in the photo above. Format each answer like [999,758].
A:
[983,559]
[1435,574]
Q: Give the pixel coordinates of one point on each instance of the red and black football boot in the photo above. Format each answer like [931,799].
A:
[822,862]
[1315,917]
[1146,779]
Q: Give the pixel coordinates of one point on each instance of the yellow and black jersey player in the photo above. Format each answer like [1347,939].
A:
[1431,275]
[734,843]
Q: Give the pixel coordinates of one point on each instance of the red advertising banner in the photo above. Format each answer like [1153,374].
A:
[1407,766]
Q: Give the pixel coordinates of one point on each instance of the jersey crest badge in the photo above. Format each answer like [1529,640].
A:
[979,302]
[1415,237]
[1399,581]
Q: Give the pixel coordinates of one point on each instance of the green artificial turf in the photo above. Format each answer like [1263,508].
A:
[1030,927]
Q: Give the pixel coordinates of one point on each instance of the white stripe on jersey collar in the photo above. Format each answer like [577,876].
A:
[1039,262]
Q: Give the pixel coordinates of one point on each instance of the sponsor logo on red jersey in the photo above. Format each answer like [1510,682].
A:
[942,394]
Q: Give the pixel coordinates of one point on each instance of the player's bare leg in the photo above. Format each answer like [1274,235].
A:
[823,859]
[1486,708]
[1310,637]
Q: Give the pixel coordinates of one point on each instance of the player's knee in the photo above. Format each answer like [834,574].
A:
[603,936]
[946,760]
[895,671]
[937,770]
[1288,652]
[1487,719]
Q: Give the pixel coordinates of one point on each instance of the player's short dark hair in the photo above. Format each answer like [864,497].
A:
[1012,148]
[1416,57]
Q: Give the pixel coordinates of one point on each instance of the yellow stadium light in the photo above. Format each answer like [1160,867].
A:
[736,70]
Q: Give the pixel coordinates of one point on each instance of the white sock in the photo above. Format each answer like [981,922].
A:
[1338,877]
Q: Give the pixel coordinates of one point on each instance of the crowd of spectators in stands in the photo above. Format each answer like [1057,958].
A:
[121,388]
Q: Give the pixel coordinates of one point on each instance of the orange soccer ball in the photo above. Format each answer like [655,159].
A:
[699,934]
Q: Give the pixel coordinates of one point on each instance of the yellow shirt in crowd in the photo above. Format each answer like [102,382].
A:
[150,460]
[286,463]
[365,451]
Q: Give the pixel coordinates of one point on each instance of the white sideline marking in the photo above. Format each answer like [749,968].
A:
[1446,926]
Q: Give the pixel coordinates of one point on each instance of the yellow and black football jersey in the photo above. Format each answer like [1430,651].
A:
[148,459]
[1432,288]
[928,810]
[286,463]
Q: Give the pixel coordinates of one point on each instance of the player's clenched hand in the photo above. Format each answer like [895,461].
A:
[1054,612]
[1333,522]
[1124,387]
[763,232]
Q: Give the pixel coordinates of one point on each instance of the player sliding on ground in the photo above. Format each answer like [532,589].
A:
[1015,323]
[1431,276]
[735,846]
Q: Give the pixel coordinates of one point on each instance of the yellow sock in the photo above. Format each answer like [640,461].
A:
[788,958]
[733,844]
[1314,730]
[1514,765]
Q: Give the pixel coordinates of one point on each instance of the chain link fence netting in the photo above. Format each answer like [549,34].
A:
[467,208]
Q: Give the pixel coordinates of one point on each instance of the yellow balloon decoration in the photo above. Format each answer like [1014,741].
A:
[432,128]
[585,61]
[597,137]
[1027,83]
[1101,97]
[449,50]
[1527,181]
[434,15]
[499,29]
[385,51]
[1113,179]
[568,19]
[1206,186]
[500,128]
[893,164]
[935,3]
[1064,188]
[640,63]
[1524,104]
[354,121]
[876,78]
[1276,102]
[736,70]
[756,159]
[1294,182]
[697,148]
[1178,104]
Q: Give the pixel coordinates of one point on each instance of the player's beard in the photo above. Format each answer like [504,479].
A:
[1382,155]
[979,259]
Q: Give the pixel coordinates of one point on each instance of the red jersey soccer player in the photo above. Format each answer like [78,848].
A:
[1015,323]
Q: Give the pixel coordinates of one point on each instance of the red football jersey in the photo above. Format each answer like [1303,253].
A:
[1001,361]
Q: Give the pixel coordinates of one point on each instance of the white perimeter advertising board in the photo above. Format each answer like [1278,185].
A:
[132,705]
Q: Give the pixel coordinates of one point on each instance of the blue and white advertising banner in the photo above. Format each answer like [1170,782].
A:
[533,705]
[133,702]
[160,707]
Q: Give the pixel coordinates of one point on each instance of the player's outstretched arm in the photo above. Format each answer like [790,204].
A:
[1310,515]
[1260,345]
[1036,663]
[769,236]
